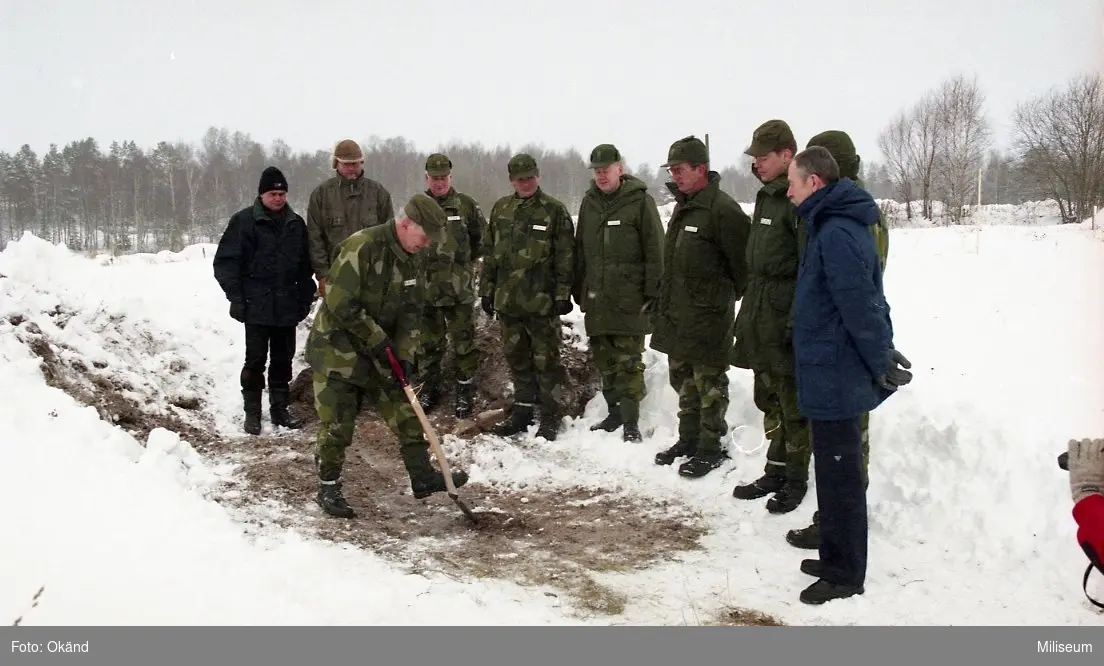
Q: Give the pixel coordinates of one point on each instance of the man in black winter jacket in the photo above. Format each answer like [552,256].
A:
[263,265]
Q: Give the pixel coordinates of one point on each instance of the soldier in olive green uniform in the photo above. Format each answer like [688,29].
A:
[372,310]
[527,279]
[841,147]
[618,266]
[450,290]
[342,205]
[763,341]
[705,273]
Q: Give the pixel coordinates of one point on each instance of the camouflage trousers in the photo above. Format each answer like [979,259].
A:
[336,402]
[791,443]
[620,363]
[455,322]
[532,350]
[703,401]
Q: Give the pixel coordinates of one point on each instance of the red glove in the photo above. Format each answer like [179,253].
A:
[1089,514]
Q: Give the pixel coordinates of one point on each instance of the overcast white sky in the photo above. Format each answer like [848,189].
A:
[638,73]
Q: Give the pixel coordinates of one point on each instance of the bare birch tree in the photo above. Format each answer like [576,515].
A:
[894,143]
[963,137]
[1060,140]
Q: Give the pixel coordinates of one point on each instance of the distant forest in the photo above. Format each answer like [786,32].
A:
[129,198]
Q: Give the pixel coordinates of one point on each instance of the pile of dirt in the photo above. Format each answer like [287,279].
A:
[110,395]
[547,537]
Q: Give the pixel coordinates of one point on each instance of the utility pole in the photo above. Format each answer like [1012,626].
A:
[980,170]
[707,142]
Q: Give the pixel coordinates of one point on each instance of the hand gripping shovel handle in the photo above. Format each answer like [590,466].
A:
[430,434]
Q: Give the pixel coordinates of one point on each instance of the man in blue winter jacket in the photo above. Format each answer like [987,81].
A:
[844,359]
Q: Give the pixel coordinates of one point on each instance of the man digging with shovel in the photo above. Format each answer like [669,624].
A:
[370,316]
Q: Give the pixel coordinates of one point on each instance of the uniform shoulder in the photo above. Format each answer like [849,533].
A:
[332,181]
[468,201]
[726,204]
[375,184]
[362,240]
[548,198]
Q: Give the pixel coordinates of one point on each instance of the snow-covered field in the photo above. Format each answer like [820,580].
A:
[970,515]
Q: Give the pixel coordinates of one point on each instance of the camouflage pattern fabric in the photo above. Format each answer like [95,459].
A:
[619,359]
[338,208]
[442,323]
[375,293]
[528,264]
[703,401]
[531,346]
[336,402]
[449,265]
[790,439]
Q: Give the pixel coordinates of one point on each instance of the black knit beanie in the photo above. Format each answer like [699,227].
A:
[272,179]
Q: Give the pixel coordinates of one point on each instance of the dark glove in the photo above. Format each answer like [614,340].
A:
[487,303]
[237,311]
[562,307]
[894,376]
[381,350]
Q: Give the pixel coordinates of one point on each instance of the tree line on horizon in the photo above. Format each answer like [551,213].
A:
[130,198]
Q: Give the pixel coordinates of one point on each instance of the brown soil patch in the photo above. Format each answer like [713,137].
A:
[553,538]
[745,617]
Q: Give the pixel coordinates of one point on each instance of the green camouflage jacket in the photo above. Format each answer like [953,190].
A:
[375,290]
[528,260]
[705,273]
[450,265]
[337,208]
[618,258]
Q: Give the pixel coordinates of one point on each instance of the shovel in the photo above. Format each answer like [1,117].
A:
[431,434]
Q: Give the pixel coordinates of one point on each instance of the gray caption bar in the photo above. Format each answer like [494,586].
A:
[551,646]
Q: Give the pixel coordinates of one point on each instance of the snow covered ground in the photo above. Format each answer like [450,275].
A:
[970,515]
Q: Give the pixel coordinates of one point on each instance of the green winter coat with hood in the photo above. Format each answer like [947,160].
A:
[705,273]
[618,258]
[762,329]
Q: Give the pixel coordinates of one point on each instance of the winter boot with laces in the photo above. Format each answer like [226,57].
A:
[332,501]
[807,538]
[425,479]
[685,446]
[549,423]
[609,424]
[463,399]
[702,463]
[278,410]
[788,498]
[761,487]
[613,419]
[252,404]
[519,420]
[630,416]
